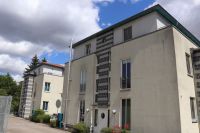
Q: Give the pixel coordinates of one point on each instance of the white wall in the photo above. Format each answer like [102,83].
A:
[79,51]
[51,70]
[141,26]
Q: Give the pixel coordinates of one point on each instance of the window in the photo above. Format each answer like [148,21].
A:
[82,110]
[45,105]
[126,113]
[95,117]
[188,64]
[87,49]
[128,33]
[47,86]
[125,74]
[193,109]
[83,80]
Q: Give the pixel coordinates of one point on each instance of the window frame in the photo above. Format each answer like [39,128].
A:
[83,80]
[88,49]
[126,36]
[188,64]
[82,111]
[45,105]
[125,115]
[193,109]
[128,79]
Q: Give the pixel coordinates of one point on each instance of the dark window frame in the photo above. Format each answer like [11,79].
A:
[87,49]
[125,79]
[128,33]
[126,113]
[193,108]
[188,64]
[47,86]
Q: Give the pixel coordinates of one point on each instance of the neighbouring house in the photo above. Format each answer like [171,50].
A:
[136,74]
[42,87]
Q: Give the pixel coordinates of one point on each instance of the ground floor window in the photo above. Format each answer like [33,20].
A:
[82,110]
[95,117]
[45,105]
[126,113]
[193,109]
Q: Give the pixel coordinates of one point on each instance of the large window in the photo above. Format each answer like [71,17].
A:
[126,74]
[128,33]
[87,49]
[188,64]
[193,109]
[45,105]
[82,110]
[47,86]
[83,80]
[126,113]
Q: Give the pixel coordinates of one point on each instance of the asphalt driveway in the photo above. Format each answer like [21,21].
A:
[19,125]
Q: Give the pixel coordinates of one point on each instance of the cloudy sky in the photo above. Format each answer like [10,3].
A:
[45,27]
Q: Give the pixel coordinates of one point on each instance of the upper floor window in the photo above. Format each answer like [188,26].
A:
[45,105]
[188,63]
[127,33]
[126,74]
[83,80]
[87,49]
[47,86]
[193,109]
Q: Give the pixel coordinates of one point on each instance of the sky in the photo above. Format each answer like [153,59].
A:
[45,27]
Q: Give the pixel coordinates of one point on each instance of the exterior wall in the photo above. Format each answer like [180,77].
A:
[185,83]
[141,26]
[51,70]
[37,91]
[72,110]
[154,90]
[56,88]
[80,50]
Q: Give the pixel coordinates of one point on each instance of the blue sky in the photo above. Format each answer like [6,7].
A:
[109,14]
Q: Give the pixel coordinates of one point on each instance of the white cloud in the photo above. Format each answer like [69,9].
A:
[13,65]
[31,27]
[17,77]
[185,11]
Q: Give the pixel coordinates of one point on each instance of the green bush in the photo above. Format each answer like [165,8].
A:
[81,128]
[46,118]
[125,131]
[40,116]
[106,130]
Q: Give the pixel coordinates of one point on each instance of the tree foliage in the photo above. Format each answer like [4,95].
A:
[44,60]
[9,87]
[34,62]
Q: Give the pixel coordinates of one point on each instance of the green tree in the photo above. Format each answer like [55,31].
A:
[34,62]
[9,87]
[44,60]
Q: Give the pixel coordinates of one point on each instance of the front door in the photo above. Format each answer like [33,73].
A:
[102,120]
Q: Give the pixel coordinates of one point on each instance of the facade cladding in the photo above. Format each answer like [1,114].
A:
[137,75]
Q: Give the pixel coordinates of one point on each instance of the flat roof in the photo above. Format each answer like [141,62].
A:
[157,8]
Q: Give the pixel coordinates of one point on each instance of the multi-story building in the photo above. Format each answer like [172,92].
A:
[42,88]
[136,74]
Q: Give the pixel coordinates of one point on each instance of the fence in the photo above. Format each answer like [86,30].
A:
[5,104]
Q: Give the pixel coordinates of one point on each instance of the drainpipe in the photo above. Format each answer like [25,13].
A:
[68,85]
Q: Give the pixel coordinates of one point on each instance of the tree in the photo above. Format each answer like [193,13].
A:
[44,60]
[34,62]
[9,87]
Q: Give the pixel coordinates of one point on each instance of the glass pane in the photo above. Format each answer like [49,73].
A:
[192,108]
[123,112]
[128,114]
[128,75]
[123,75]
[188,63]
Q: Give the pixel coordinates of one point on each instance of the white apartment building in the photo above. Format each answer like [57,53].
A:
[136,74]
[42,87]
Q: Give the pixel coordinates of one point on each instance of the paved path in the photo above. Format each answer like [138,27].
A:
[19,125]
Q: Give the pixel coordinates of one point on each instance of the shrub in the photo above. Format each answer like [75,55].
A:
[106,130]
[125,131]
[81,128]
[46,118]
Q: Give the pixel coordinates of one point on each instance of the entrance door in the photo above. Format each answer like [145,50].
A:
[102,120]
